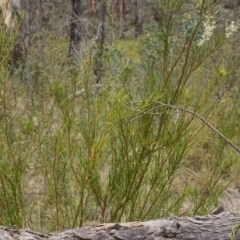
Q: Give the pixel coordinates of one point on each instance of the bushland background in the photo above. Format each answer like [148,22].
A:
[118,111]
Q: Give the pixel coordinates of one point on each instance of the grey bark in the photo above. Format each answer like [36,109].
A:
[138,17]
[98,65]
[214,227]
[75,29]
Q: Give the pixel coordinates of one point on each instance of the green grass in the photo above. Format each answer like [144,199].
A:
[132,148]
[130,48]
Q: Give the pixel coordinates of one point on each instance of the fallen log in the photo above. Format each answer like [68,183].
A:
[208,227]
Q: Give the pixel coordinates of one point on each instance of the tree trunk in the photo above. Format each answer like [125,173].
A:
[119,15]
[138,17]
[120,7]
[100,41]
[93,6]
[75,29]
[214,227]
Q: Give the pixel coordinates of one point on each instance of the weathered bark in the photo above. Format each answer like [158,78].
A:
[100,41]
[138,18]
[120,7]
[214,227]
[119,15]
[75,29]
[93,6]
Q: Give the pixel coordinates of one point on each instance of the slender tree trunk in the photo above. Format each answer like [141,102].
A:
[120,6]
[100,42]
[119,13]
[29,30]
[138,17]
[75,29]
[93,6]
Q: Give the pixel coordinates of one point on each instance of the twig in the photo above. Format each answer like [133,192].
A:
[36,233]
[78,93]
[188,111]
[143,113]
[204,121]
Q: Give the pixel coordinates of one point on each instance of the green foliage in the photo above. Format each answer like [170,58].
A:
[137,146]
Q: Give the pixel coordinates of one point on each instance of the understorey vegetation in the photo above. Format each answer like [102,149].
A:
[124,128]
